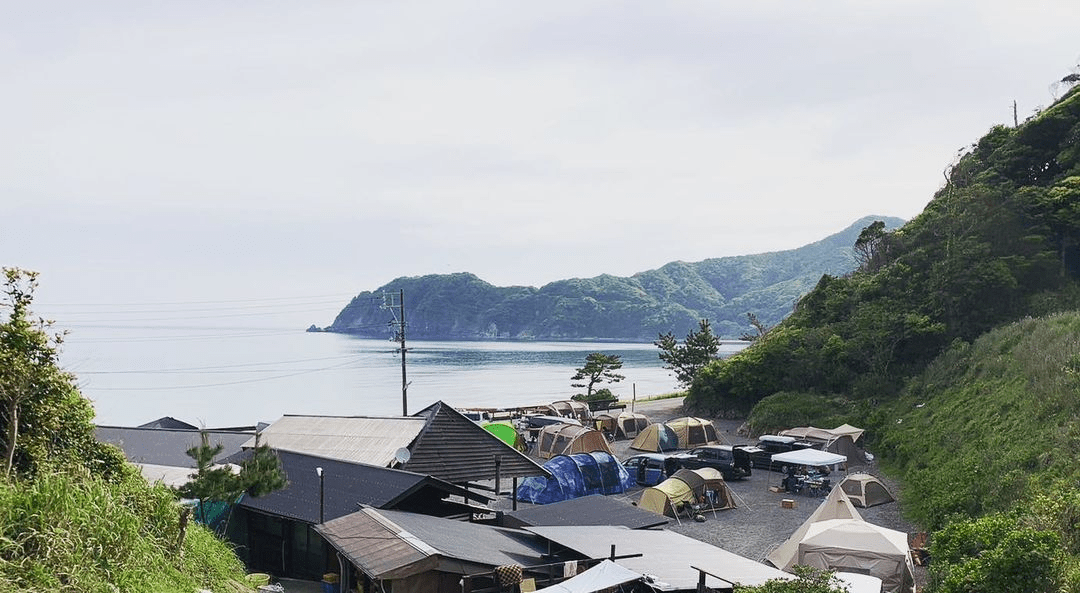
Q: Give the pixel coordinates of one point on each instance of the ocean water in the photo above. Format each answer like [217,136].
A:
[219,377]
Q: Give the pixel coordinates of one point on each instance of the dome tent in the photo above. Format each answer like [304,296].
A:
[656,438]
[865,490]
[685,487]
[694,432]
[573,476]
[564,439]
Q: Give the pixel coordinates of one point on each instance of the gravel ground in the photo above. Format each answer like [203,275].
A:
[759,523]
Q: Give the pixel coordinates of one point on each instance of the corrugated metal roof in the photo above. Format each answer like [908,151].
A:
[458,450]
[391,544]
[595,509]
[355,439]
[665,554]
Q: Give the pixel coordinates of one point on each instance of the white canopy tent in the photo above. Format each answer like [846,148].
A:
[810,458]
[601,577]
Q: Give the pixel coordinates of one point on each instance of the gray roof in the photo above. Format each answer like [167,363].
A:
[391,544]
[595,509]
[666,555]
[357,439]
[168,447]
[456,449]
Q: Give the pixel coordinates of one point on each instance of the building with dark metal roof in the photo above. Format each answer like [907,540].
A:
[167,447]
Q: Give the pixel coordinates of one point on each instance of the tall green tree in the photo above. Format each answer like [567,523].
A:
[260,473]
[697,350]
[45,420]
[599,368]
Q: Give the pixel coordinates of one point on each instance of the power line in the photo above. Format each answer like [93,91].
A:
[220,368]
[227,383]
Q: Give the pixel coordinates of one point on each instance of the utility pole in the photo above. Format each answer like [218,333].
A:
[399,334]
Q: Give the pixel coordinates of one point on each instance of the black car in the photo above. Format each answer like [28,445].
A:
[769,445]
[732,462]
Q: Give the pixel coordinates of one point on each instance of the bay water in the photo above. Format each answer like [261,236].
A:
[221,377]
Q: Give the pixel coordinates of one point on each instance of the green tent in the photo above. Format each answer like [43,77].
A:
[507,434]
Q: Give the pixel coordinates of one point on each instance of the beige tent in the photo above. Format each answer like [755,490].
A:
[688,486]
[835,506]
[842,440]
[694,432]
[569,408]
[565,439]
[865,490]
[606,422]
[853,545]
[656,438]
[630,424]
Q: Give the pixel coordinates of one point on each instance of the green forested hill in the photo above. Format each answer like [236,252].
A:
[672,298]
[957,345]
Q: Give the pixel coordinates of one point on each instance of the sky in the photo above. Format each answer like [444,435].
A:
[287,155]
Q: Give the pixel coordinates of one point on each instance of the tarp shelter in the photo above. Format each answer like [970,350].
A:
[507,434]
[694,432]
[656,438]
[567,439]
[842,440]
[572,476]
[852,545]
[569,408]
[835,506]
[865,490]
[603,577]
[687,486]
[809,458]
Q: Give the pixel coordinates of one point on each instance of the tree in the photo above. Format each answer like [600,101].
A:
[809,580]
[758,326]
[869,247]
[686,359]
[260,473]
[599,368]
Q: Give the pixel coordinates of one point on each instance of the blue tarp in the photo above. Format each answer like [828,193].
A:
[580,474]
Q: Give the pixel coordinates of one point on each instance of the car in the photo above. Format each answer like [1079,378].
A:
[771,444]
[732,462]
[649,469]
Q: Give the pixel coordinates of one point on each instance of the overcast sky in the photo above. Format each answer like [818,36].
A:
[201,150]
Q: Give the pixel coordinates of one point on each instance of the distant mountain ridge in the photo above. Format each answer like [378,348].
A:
[638,308]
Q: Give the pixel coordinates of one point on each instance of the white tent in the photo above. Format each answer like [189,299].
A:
[601,577]
[809,457]
[835,506]
[852,545]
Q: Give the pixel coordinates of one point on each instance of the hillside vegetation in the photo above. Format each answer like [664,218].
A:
[957,344]
[74,515]
[673,298]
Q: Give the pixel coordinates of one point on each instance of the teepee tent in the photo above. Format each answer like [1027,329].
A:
[656,438]
[857,546]
[835,506]
[865,490]
[694,432]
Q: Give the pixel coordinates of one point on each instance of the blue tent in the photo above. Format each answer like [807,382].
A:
[580,474]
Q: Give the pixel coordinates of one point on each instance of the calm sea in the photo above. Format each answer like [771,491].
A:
[218,377]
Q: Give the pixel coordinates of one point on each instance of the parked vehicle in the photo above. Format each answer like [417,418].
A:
[649,469]
[769,445]
[733,463]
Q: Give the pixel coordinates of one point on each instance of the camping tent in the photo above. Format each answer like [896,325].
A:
[606,422]
[576,475]
[507,434]
[688,486]
[564,439]
[865,490]
[835,506]
[842,440]
[569,408]
[629,424]
[694,432]
[656,438]
[808,458]
[857,546]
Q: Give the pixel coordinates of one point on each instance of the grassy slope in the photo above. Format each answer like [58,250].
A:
[989,423]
